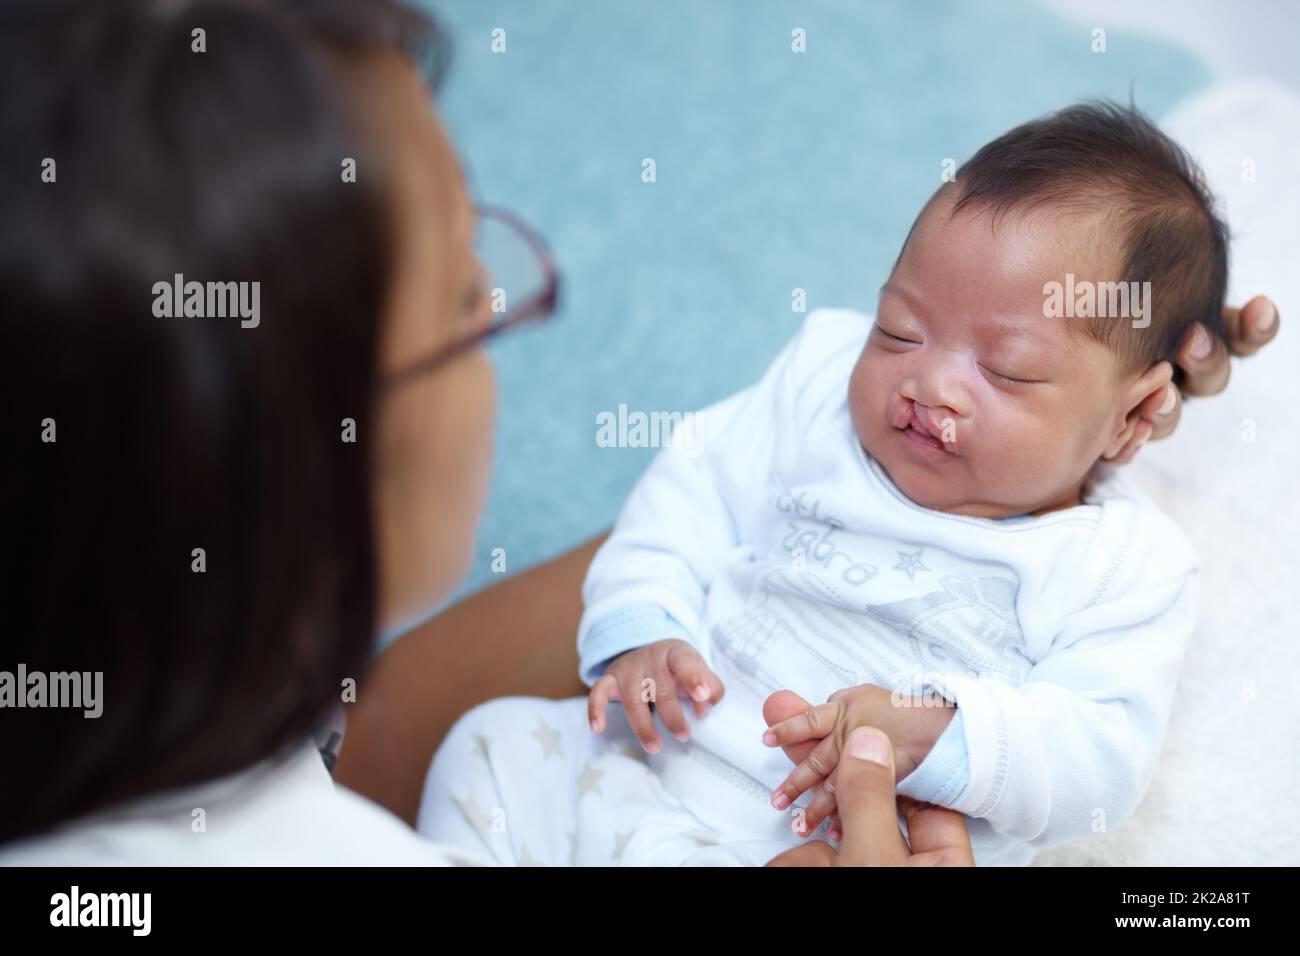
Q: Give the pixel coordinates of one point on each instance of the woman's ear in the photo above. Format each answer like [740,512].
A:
[1153,380]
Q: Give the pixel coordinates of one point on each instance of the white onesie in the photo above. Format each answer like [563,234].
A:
[775,545]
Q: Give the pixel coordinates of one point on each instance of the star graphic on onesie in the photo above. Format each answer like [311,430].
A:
[527,859]
[589,780]
[548,737]
[475,815]
[910,562]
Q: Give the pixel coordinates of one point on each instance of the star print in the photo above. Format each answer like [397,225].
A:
[910,562]
[474,815]
[655,783]
[589,780]
[548,737]
[702,837]
[632,752]
[526,858]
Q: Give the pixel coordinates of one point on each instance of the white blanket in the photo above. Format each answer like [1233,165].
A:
[1227,790]
[524,782]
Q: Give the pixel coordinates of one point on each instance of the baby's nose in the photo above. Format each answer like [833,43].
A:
[939,389]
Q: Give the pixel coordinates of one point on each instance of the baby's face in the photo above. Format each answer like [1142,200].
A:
[971,400]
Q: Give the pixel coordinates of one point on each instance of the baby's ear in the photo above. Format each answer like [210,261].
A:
[1149,383]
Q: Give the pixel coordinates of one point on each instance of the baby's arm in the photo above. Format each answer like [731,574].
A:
[645,592]
[648,581]
[1071,750]
[1068,752]
[646,587]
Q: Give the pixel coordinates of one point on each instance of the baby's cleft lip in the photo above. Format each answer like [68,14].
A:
[926,421]
[919,424]
[901,416]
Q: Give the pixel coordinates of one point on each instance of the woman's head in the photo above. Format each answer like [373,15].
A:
[217,517]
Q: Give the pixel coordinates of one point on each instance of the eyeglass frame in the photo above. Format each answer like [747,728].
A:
[537,309]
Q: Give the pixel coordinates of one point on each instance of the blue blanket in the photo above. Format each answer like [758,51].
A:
[774,171]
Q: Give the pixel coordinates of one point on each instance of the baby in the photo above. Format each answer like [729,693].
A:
[910,517]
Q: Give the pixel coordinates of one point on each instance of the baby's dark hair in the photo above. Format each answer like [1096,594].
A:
[1101,156]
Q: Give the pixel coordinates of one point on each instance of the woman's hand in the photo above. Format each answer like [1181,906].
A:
[1206,365]
[868,806]
[912,724]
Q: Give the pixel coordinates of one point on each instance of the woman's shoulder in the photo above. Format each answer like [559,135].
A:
[284,812]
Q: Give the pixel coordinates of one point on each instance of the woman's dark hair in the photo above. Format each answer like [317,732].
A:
[131,440]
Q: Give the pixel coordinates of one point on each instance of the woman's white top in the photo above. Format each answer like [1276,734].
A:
[280,813]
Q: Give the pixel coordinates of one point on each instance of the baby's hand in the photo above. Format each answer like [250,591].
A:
[646,681]
[912,723]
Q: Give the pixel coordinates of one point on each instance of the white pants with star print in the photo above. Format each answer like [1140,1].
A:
[524,781]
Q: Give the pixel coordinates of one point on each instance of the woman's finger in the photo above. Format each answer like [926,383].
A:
[1252,326]
[936,834]
[602,692]
[865,794]
[1206,366]
[815,853]
[1204,361]
[866,822]
[1162,410]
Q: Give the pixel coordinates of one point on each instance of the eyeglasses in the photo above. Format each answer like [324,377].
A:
[524,286]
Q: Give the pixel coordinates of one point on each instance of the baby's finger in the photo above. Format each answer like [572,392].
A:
[716,690]
[602,692]
[937,833]
[810,772]
[836,829]
[669,708]
[701,684]
[779,706]
[821,805]
[637,693]
[812,724]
